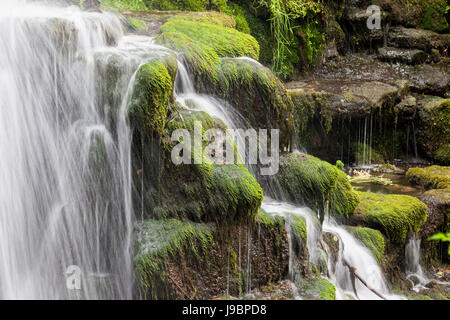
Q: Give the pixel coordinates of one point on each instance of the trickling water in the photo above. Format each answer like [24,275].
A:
[414,270]
[65,196]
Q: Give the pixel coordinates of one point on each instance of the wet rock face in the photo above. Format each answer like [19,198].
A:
[401,55]
[434,133]
[219,267]
[438,202]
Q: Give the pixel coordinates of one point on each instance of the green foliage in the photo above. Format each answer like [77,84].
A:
[432,177]
[157,241]
[188,5]
[434,17]
[124,5]
[238,14]
[444,237]
[372,239]
[286,18]
[313,39]
[394,215]
[339,164]
[316,183]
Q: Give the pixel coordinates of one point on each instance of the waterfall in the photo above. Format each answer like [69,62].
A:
[65,196]
[414,270]
[354,251]
[360,258]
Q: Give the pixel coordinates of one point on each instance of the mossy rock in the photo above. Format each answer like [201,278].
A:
[394,215]
[136,24]
[204,43]
[316,289]
[258,95]
[189,5]
[434,129]
[372,240]
[158,240]
[152,96]
[314,182]
[211,17]
[206,192]
[432,177]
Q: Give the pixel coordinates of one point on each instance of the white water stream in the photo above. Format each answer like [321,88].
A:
[65,191]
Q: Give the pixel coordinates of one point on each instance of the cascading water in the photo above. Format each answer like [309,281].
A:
[65,196]
[414,270]
[353,254]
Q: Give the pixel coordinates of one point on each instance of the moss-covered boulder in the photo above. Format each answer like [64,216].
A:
[372,240]
[184,260]
[157,241]
[258,95]
[316,289]
[394,215]
[207,192]
[432,177]
[209,49]
[434,129]
[313,182]
[152,96]
[203,43]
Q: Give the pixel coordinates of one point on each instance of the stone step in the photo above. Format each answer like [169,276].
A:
[408,56]
[412,38]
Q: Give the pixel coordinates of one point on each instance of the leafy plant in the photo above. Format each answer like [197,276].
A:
[123,5]
[444,237]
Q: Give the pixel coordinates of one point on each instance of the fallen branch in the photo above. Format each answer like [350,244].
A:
[355,274]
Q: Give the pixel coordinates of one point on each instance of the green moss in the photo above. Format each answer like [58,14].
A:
[316,182]
[434,17]
[433,177]
[226,42]
[152,95]
[442,155]
[191,5]
[316,288]
[434,131]
[372,239]
[203,44]
[136,23]
[313,39]
[211,17]
[157,241]
[394,215]
[237,12]
[205,192]
[257,94]
[260,30]
[299,227]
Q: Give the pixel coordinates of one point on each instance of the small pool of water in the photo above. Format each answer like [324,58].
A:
[400,185]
